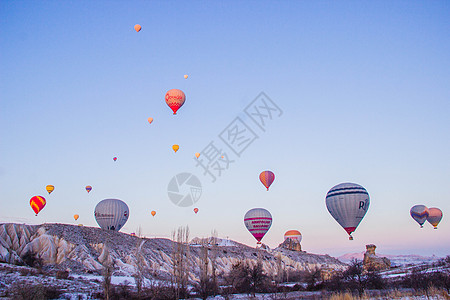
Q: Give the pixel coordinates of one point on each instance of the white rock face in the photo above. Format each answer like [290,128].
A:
[84,249]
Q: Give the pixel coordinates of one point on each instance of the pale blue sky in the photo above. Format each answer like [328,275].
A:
[364,88]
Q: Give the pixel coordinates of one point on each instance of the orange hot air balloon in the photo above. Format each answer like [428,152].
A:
[88,188]
[115,158]
[37,203]
[196,210]
[153,213]
[76,217]
[185,77]
[49,188]
[175,99]
[175,148]
[197,155]
[267,177]
[150,120]
[137,27]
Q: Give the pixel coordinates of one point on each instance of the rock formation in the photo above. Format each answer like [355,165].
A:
[373,262]
[291,244]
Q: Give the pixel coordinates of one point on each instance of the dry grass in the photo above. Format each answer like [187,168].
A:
[433,293]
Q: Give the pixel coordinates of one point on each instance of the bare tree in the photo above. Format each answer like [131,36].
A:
[139,275]
[180,261]
[107,273]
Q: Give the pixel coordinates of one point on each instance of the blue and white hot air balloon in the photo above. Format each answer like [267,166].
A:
[111,214]
[348,203]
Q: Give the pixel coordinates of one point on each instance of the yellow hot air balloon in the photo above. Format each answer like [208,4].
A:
[76,217]
[137,27]
[175,148]
[185,77]
[49,188]
[197,155]
[153,213]
[150,120]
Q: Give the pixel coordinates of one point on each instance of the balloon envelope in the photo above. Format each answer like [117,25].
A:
[153,213]
[196,210]
[175,148]
[175,99]
[37,203]
[348,203]
[88,188]
[258,222]
[267,178]
[293,235]
[150,120]
[115,158]
[185,77]
[137,27]
[76,217]
[49,188]
[197,154]
[434,216]
[111,214]
[419,213]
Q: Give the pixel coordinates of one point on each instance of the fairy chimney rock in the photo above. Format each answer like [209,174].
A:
[373,262]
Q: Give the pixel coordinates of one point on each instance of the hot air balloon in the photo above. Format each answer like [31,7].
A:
[111,214]
[258,222]
[150,120]
[348,203]
[137,27]
[196,210]
[419,213]
[76,217]
[267,177]
[185,77]
[88,188]
[153,213]
[49,188]
[37,203]
[114,158]
[175,99]
[293,235]
[175,148]
[434,216]
[197,154]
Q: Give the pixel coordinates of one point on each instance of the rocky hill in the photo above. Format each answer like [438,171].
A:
[80,250]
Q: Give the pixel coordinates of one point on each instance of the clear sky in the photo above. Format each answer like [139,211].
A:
[363,89]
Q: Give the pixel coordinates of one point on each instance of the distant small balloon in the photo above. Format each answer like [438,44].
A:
[153,213]
[266,178]
[137,27]
[197,155]
[88,188]
[434,216]
[115,158]
[185,77]
[76,217]
[419,213]
[175,148]
[37,203]
[49,188]
[150,120]
[196,210]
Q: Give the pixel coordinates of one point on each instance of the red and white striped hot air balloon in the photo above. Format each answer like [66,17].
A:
[175,99]
[258,222]
[293,235]
[267,178]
